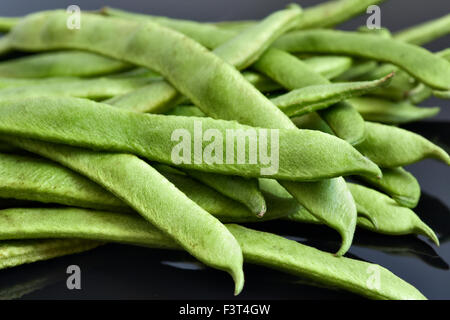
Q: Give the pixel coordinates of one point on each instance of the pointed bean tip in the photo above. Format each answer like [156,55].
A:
[425,230]
[238,277]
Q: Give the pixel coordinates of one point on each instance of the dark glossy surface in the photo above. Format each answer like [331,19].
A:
[124,272]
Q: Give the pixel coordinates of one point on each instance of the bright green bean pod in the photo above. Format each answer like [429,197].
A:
[392,147]
[329,66]
[357,70]
[258,247]
[95,89]
[61,64]
[6,23]
[425,32]
[15,253]
[24,82]
[420,63]
[399,184]
[442,94]
[157,200]
[388,216]
[292,74]
[313,98]
[302,154]
[389,112]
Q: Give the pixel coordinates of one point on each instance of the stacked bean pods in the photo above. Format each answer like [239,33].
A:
[88,117]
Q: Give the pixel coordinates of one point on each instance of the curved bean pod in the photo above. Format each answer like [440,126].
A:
[157,200]
[258,247]
[359,69]
[61,64]
[15,253]
[388,216]
[6,23]
[312,98]
[442,94]
[392,147]
[420,63]
[425,32]
[302,154]
[389,112]
[399,184]
[329,66]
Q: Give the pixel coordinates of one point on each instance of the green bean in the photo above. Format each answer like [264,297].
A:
[442,94]
[5,46]
[14,253]
[158,201]
[6,23]
[313,98]
[96,89]
[27,178]
[61,64]
[392,147]
[399,184]
[389,112]
[258,247]
[329,66]
[152,46]
[389,217]
[292,74]
[302,154]
[425,32]
[186,111]
[24,82]
[357,70]
[264,32]
[420,63]
[261,82]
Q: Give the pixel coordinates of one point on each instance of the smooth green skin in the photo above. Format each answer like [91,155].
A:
[265,32]
[245,191]
[314,98]
[420,63]
[304,155]
[399,184]
[442,94]
[329,66]
[258,247]
[5,47]
[61,64]
[387,215]
[22,82]
[36,179]
[392,147]
[357,70]
[425,32]
[18,252]
[6,23]
[292,74]
[95,89]
[389,112]
[199,75]
[156,199]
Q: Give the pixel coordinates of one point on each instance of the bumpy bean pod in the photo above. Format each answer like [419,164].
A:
[15,253]
[258,247]
[400,185]
[389,112]
[392,147]
[302,154]
[157,200]
[420,63]
[387,216]
[313,98]
[61,64]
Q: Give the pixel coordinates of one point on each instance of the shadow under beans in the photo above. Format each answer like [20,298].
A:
[435,131]
[436,214]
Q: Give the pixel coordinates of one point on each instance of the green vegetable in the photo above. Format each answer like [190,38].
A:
[329,66]
[425,32]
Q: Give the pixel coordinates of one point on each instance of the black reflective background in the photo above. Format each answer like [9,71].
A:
[124,272]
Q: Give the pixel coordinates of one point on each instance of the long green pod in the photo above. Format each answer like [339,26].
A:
[156,199]
[425,32]
[420,63]
[95,89]
[153,46]
[399,184]
[61,64]
[5,47]
[293,74]
[390,112]
[388,215]
[6,23]
[29,178]
[18,252]
[392,147]
[442,94]
[358,69]
[258,247]
[296,154]
[312,98]
[329,66]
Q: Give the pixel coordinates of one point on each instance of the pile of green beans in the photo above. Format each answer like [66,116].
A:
[88,118]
